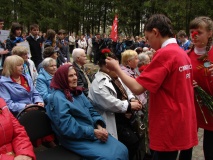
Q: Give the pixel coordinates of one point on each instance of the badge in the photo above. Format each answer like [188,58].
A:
[206,64]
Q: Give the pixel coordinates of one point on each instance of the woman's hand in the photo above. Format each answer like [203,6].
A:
[112,64]
[34,108]
[22,157]
[133,100]
[31,108]
[4,52]
[135,105]
[101,133]
[40,104]
[195,83]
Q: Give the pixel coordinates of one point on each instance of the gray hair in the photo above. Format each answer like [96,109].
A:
[46,62]
[76,52]
[142,58]
[149,53]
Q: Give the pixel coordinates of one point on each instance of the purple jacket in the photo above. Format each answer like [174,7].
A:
[16,96]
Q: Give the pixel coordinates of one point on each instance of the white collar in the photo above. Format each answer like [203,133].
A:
[168,41]
[101,75]
[34,37]
[200,51]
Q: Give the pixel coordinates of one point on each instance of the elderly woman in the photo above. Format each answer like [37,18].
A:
[29,66]
[77,125]
[44,78]
[115,102]
[144,61]
[129,62]
[17,88]
[15,144]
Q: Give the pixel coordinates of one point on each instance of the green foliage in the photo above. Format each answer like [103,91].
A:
[90,16]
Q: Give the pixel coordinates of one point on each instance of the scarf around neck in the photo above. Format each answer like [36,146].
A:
[18,40]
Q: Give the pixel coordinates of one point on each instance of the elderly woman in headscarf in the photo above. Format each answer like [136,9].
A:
[77,125]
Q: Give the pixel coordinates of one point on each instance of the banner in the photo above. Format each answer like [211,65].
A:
[4,34]
[114,31]
[25,44]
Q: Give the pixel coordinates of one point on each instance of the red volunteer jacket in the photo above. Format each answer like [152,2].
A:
[13,136]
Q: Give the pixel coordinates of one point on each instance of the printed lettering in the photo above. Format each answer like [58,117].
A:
[185,67]
[188,76]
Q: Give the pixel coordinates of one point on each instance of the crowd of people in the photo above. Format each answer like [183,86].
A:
[95,115]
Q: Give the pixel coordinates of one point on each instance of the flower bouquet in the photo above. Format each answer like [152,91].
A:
[204,99]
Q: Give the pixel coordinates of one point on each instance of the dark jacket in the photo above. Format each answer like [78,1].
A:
[11,42]
[82,81]
[60,58]
[64,48]
[4,55]
[35,49]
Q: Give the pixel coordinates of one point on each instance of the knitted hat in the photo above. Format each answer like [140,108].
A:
[49,51]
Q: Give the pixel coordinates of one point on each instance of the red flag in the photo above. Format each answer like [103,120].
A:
[114,31]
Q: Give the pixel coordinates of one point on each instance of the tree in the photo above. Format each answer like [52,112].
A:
[90,16]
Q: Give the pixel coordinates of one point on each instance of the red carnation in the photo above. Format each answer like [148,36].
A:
[106,50]
[194,34]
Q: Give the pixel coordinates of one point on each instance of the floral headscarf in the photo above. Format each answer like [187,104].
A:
[60,82]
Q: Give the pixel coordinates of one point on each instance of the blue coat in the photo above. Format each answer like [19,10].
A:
[74,124]
[16,96]
[43,84]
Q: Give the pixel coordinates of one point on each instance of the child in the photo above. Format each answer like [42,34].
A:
[63,44]
[35,43]
[14,37]
[184,42]
[201,55]
[51,41]
[144,61]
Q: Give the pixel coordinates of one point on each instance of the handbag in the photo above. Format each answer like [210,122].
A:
[126,135]
[136,122]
